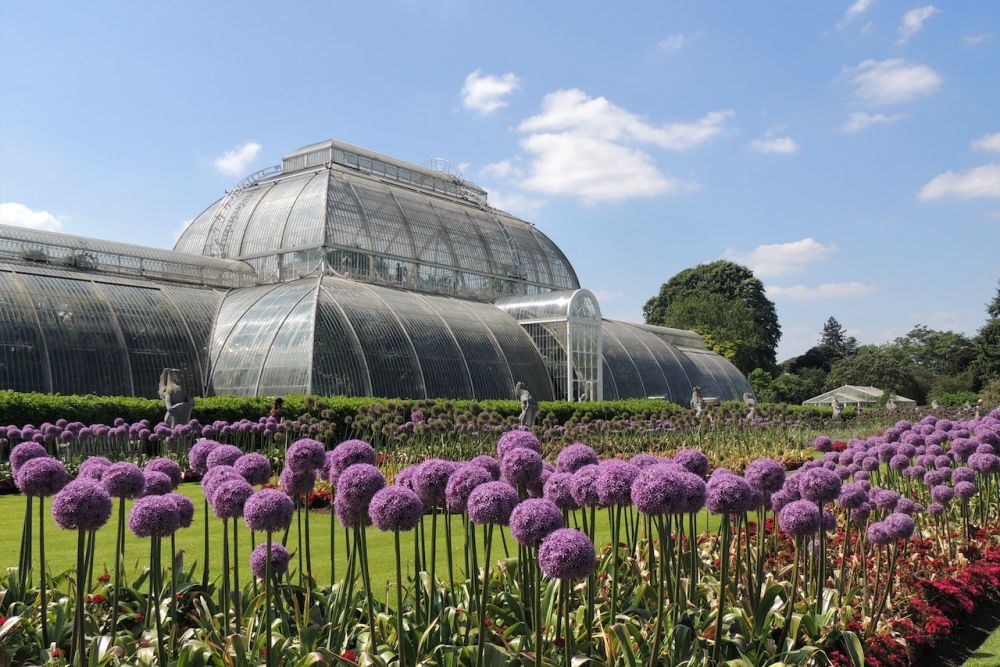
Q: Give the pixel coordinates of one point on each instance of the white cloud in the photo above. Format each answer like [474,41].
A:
[783,145]
[19,215]
[181,228]
[486,93]
[824,291]
[672,43]
[606,295]
[236,161]
[779,259]
[892,81]
[913,22]
[514,202]
[981,181]
[859,120]
[857,8]
[501,169]
[975,40]
[987,142]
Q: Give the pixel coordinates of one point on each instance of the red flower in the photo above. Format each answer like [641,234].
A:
[180,596]
[349,655]
[98,599]
[140,617]
[488,622]
[104,578]
[56,653]
[560,642]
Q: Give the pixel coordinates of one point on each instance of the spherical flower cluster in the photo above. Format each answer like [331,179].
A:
[23,453]
[799,518]
[820,485]
[230,497]
[268,510]
[297,482]
[169,468]
[355,488]
[575,456]
[279,560]
[462,483]
[255,468]
[198,456]
[223,455]
[395,508]
[157,484]
[852,495]
[965,490]
[694,460]
[82,505]
[532,520]
[154,516]
[306,454]
[558,489]
[644,460]
[823,444]
[216,476]
[488,463]
[583,486]
[431,481]
[729,494]
[518,439]
[567,554]
[185,508]
[123,480]
[42,476]
[943,494]
[93,468]
[885,499]
[985,463]
[346,454]
[765,475]
[492,503]
[659,489]
[614,482]
[521,466]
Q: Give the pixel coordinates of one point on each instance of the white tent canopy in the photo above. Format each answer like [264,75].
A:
[855,395]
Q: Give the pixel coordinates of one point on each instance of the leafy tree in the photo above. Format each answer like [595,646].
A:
[938,352]
[726,300]
[762,383]
[797,387]
[821,357]
[834,336]
[875,368]
[985,365]
[993,307]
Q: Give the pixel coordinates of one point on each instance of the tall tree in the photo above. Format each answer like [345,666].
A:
[834,335]
[986,362]
[874,367]
[726,300]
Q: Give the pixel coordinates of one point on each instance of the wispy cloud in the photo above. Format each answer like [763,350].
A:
[514,202]
[892,81]
[972,183]
[857,8]
[486,93]
[913,22]
[859,120]
[778,259]
[987,142]
[976,40]
[782,145]
[236,161]
[19,215]
[821,292]
[672,43]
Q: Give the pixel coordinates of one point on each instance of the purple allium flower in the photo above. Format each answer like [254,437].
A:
[766,475]
[462,482]
[492,503]
[521,466]
[93,468]
[900,526]
[861,512]
[279,560]
[694,460]
[346,454]
[644,460]
[168,468]
[185,508]
[567,554]
[730,494]
[395,508]
[942,493]
[870,463]
[518,439]
[583,486]
[823,443]
[230,497]
[985,463]
[575,456]
[885,499]
[223,455]
[431,481]
[123,480]
[157,484]
[23,453]
[851,496]
[81,505]
[880,533]
[614,482]
[153,516]
[198,456]
[935,509]
[490,464]
[355,488]
[255,468]
[558,489]
[306,454]
[268,510]
[899,462]
[820,485]
[934,477]
[907,506]
[532,520]
[799,518]
[216,476]
[965,490]
[659,489]
[350,514]
[41,476]
[297,483]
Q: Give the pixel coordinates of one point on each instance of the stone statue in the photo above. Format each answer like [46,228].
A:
[979,408]
[697,402]
[891,404]
[177,401]
[529,406]
[751,404]
[935,405]
[967,407]
[838,409]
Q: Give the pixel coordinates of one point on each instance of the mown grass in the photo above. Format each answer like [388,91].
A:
[988,654]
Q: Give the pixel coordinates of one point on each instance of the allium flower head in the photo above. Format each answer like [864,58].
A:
[965,490]
[216,476]
[154,516]
[518,439]
[223,455]
[644,460]
[431,481]
[268,510]
[583,486]
[357,485]
[985,463]
[935,509]
[157,484]
[169,468]
[82,505]
[900,526]
[42,476]
[305,454]
[461,484]
[694,460]
[852,495]
[942,493]
[879,533]
[558,489]
[885,499]
[963,474]
[659,489]
[230,497]
[395,508]
[297,482]
[198,456]
[255,468]
[492,503]
[185,508]
[799,518]
[575,456]
[279,560]
[346,454]
[490,464]
[823,443]
[765,475]
[567,554]
[729,494]
[614,482]
[532,520]
[907,506]
[93,468]
[820,485]
[25,452]
[123,480]
[521,466]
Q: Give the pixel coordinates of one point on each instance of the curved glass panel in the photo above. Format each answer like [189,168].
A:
[301,228]
[264,231]
[623,372]
[654,381]
[339,367]
[23,361]
[522,357]
[284,371]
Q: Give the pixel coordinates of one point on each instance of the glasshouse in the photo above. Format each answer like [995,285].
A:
[339,272]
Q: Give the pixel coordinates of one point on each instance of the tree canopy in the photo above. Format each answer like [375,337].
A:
[725,300]
[834,336]
[875,367]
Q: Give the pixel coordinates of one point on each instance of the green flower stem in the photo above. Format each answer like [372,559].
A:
[237,591]
[204,569]
[224,591]
[161,649]
[119,554]
[267,604]
[567,593]
[41,571]
[481,649]
[717,648]
[821,567]
[399,603]
[79,641]
[360,536]
[538,608]
[451,563]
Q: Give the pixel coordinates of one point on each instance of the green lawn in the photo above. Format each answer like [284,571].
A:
[987,655]
[60,545]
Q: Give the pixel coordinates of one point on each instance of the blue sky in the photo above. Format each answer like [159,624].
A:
[848,151]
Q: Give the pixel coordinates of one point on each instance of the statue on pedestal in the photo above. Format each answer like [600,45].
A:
[838,409]
[891,404]
[935,405]
[751,404]
[529,406]
[175,398]
[697,402]
[979,408]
